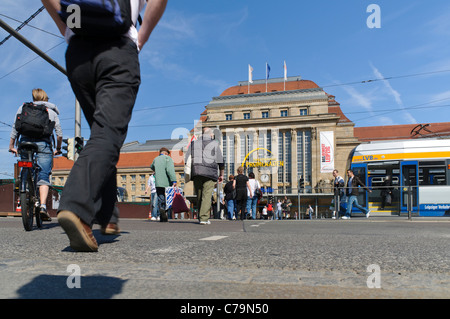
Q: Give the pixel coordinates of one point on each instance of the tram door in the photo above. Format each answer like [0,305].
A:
[360,170]
[409,176]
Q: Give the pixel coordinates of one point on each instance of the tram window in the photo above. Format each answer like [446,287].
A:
[395,180]
[432,173]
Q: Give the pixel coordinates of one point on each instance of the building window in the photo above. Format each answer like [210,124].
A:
[142,177]
[133,187]
[284,113]
[265,115]
[304,161]
[228,153]
[142,187]
[246,116]
[228,117]
[133,178]
[284,155]
[124,178]
[303,112]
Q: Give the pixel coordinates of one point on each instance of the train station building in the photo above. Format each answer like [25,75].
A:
[290,133]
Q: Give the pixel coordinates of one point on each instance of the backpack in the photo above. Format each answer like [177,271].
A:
[34,121]
[104,18]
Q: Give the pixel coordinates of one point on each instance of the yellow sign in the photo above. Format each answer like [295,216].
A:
[262,162]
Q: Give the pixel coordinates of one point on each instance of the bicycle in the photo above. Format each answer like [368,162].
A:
[28,190]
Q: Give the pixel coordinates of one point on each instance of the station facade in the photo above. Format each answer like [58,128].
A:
[290,133]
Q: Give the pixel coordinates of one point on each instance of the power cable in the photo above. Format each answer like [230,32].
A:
[387,78]
[24,23]
[32,26]
[21,66]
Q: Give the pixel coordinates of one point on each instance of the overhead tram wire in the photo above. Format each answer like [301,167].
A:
[35,58]
[32,26]
[23,23]
[387,78]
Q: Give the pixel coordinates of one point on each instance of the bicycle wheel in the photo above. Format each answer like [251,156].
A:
[27,203]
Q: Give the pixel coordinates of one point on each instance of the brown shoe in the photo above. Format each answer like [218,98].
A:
[44,215]
[111,229]
[79,233]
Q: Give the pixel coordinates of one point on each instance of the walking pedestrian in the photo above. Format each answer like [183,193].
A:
[206,170]
[310,211]
[252,200]
[151,186]
[339,195]
[105,76]
[241,185]
[230,197]
[386,192]
[165,176]
[279,210]
[270,210]
[353,185]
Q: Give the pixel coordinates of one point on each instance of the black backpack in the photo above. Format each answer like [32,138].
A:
[103,18]
[34,121]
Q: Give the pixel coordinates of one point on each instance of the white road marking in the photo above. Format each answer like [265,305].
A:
[214,238]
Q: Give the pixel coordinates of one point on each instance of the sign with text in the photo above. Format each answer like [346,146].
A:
[326,152]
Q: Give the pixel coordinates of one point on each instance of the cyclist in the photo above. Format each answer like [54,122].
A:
[44,143]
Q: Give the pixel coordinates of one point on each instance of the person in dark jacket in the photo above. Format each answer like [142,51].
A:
[353,184]
[339,194]
[230,197]
[241,185]
[206,170]
[386,192]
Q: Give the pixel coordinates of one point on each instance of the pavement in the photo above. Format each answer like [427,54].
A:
[228,260]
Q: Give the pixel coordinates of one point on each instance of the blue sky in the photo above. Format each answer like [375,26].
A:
[202,47]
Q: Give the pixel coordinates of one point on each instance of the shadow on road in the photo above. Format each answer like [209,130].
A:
[56,287]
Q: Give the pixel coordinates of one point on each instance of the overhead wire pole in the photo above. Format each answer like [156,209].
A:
[42,54]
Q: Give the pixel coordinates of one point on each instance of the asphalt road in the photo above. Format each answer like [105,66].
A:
[250,260]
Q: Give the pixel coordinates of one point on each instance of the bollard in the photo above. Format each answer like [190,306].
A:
[409,202]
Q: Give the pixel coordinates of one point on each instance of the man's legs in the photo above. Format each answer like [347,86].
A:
[350,201]
[254,202]
[154,205]
[363,209]
[161,195]
[45,162]
[204,187]
[105,78]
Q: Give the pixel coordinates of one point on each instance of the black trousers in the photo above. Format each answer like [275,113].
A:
[105,77]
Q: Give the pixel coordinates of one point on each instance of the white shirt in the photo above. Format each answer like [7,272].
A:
[151,184]
[253,186]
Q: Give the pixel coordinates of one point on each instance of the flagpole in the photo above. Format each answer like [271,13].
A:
[266,77]
[250,77]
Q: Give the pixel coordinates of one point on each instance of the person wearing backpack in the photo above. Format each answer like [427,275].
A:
[103,69]
[35,122]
